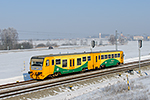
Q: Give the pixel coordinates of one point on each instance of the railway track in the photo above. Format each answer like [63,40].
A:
[9,90]
[16,84]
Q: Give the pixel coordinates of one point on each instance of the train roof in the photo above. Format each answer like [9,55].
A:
[51,55]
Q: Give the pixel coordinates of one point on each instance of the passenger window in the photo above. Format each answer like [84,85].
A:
[115,55]
[89,58]
[73,62]
[102,56]
[78,61]
[118,54]
[105,56]
[52,62]
[109,56]
[64,63]
[84,58]
[58,61]
[99,57]
[112,55]
[47,62]
[70,63]
[96,58]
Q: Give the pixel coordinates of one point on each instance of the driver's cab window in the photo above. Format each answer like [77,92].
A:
[47,62]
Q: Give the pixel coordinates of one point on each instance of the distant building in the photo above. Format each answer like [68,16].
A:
[100,35]
[138,37]
[122,35]
[148,37]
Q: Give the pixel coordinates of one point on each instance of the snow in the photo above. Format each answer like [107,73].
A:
[138,90]
[12,69]
[109,88]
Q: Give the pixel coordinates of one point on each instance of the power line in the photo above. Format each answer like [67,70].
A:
[40,32]
[47,35]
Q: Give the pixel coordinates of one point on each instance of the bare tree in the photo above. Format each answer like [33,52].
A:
[122,40]
[112,39]
[48,44]
[81,42]
[9,38]
[101,42]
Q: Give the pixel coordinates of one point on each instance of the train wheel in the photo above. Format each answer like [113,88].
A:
[53,76]
[118,64]
[99,67]
[59,74]
[83,70]
[103,66]
[56,74]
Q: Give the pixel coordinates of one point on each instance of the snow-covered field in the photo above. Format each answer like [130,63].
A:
[110,87]
[12,65]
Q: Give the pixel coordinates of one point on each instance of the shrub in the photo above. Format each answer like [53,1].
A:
[24,45]
[40,45]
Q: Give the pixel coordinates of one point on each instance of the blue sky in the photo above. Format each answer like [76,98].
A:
[74,18]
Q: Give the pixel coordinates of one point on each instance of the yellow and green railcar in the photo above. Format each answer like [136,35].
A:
[54,65]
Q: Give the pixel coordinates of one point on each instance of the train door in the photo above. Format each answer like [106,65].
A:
[90,61]
[96,61]
[46,66]
[99,58]
[72,63]
[121,57]
[52,66]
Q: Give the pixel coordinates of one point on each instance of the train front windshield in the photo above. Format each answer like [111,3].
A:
[36,64]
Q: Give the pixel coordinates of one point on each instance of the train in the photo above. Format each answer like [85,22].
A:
[54,65]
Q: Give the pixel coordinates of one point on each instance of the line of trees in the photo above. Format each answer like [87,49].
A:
[121,40]
[9,40]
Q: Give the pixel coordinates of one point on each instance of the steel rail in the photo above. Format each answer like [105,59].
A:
[34,81]
[16,84]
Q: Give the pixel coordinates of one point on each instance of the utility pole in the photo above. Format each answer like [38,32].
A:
[116,40]
[140,45]
[139,60]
